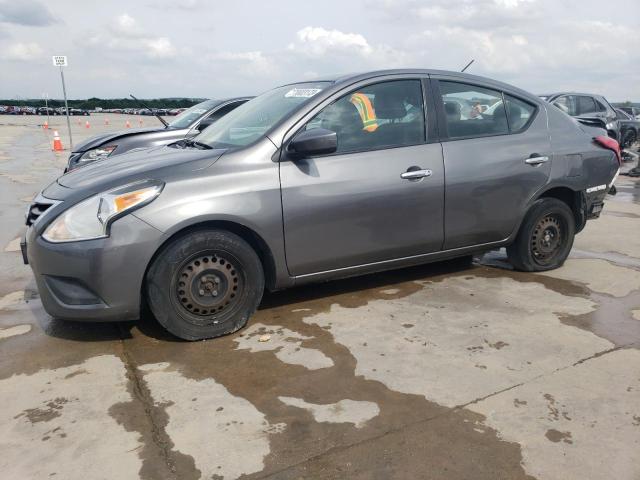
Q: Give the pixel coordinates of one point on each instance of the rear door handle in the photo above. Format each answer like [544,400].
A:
[415,174]
[537,160]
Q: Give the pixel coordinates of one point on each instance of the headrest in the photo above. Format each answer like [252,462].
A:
[515,112]
[389,107]
[452,108]
[342,115]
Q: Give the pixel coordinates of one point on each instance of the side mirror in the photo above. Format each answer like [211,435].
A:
[317,141]
[204,124]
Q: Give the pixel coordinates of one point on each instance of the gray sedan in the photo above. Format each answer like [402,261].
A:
[188,124]
[313,181]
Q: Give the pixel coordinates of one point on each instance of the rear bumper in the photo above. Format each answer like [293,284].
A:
[94,280]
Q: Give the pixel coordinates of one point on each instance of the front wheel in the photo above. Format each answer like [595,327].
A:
[545,237]
[205,284]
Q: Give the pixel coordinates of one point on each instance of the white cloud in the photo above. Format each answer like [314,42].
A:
[319,41]
[248,63]
[22,51]
[125,24]
[125,34]
[159,47]
[345,51]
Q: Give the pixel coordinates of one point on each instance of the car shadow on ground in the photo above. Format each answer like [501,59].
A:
[149,327]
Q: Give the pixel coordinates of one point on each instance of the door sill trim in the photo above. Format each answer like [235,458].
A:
[397,262]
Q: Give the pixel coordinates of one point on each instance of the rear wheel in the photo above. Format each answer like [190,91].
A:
[205,284]
[545,237]
[629,139]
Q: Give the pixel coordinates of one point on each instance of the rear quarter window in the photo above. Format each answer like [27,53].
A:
[519,113]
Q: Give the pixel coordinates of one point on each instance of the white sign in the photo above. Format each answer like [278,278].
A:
[302,92]
[59,60]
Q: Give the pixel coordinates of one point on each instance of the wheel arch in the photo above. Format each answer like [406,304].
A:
[249,235]
[572,198]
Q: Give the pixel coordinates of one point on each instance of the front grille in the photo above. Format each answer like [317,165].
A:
[35,210]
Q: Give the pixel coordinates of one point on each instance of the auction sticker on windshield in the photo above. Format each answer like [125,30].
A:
[302,92]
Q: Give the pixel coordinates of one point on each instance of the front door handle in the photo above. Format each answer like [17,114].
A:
[415,173]
[536,160]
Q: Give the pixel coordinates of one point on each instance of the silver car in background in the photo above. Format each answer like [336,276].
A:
[187,124]
[313,181]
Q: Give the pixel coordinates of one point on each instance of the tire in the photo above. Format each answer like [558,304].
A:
[205,284]
[629,139]
[545,237]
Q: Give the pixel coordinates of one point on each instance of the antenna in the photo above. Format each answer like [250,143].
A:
[468,65]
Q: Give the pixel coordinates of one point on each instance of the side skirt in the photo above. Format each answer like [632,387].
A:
[397,263]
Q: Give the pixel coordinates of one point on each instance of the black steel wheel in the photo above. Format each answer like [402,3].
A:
[209,283]
[546,240]
[545,237]
[205,284]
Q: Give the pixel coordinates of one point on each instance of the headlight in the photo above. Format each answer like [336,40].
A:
[610,126]
[92,218]
[97,153]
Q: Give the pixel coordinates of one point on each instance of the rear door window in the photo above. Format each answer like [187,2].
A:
[567,103]
[472,111]
[586,105]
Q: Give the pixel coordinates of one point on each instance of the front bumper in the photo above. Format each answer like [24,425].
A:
[94,280]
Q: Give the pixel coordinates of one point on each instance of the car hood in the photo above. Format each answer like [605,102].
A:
[103,138]
[155,163]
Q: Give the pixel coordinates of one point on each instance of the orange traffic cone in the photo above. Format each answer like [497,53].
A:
[127,124]
[57,144]
[86,125]
[46,125]
[106,121]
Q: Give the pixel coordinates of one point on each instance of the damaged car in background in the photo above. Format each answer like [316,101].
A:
[187,124]
[588,109]
[314,181]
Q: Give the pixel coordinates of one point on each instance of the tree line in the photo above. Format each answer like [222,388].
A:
[92,103]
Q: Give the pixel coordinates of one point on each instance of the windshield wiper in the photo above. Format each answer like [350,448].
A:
[193,143]
[164,122]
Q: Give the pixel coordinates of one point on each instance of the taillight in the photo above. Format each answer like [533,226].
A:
[610,144]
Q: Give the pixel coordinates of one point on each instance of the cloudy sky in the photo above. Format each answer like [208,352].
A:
[216,48]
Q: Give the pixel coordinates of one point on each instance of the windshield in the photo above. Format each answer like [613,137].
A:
[252,120]
[190,115]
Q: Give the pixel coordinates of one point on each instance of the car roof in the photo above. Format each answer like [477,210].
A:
[355,77]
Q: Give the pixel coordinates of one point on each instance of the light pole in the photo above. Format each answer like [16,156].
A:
[61,61]
[46,105]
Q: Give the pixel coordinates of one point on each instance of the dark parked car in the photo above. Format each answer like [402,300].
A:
[312,181]
[188,123]
[633,111]
[629,128]
[47,111]
[72,111]
[588,108]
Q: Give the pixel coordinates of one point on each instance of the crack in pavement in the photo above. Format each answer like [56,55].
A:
[177,464]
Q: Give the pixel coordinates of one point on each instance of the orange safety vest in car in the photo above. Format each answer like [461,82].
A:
[366,111]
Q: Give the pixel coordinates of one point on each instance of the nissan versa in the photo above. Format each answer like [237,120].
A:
[312,181]
[188,124]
